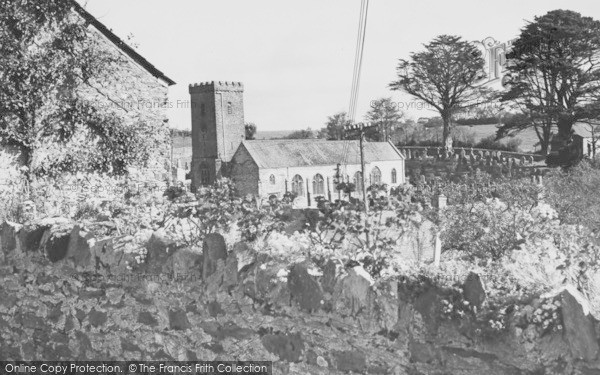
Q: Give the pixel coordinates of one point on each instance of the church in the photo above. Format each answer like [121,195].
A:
[308,168]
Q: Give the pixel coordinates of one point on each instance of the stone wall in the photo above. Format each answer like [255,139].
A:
[66,295]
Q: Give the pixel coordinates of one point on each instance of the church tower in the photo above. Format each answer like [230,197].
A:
[217,128]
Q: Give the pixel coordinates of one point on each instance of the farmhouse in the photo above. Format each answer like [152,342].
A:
[307,168]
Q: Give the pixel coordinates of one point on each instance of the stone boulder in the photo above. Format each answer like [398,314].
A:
[580,331]
[213,250]
[289,347]
[178,320]
[473,290]
[304,289]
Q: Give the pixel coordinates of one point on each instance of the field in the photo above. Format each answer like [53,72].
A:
[528,137]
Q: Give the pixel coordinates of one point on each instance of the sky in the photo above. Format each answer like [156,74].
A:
[296,58]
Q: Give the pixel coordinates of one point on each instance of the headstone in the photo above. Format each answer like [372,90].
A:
[579,328]
[352,293]
[78,249]
[30,237]
[304,289]
[473,290]
[213,249]
[8,236]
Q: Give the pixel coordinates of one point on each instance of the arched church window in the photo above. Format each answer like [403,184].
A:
[376,176]
[272,179]
[229,108]
[318,184]
[394,176]
[298,185]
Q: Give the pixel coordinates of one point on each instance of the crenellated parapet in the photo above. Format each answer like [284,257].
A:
[211,86]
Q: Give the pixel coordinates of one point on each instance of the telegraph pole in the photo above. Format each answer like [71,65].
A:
[362,168]
[361,127]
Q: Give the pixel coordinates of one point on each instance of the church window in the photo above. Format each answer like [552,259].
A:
[376,176]
[298,185]
[204,174]
[318,185]
[272,179]
[202,109]
[394,176]
[229,108]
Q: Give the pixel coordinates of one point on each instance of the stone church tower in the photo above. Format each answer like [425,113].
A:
[217,128]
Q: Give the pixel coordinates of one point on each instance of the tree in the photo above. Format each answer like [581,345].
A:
[250,130]
[386,115]
[301,134]
[553,72]
[444,76]
[334,128]
[526,120]
[48,59]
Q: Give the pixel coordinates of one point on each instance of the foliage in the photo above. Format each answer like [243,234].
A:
[386,115]
[50,63]
[301,134]
[13,187]
[490,143]
[344,232]
[574,195]
[217,208]
[444,76]
[250,129]
[477,121]
[334,128]
[525,120]
[486,219]
[554,72]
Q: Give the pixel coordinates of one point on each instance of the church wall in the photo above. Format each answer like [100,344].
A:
[282,175]
[244,173]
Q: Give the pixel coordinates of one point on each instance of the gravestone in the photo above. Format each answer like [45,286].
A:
[213,250]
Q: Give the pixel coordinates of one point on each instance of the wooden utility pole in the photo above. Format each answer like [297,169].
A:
[361,127]
[362,168]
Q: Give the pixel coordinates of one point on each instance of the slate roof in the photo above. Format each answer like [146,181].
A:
[276,153]
[121,44]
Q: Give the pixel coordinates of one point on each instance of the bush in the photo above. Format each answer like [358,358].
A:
[490,143]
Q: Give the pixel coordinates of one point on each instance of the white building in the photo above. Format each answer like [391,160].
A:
[312,168]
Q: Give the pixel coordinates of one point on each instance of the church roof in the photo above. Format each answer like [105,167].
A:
[279,153]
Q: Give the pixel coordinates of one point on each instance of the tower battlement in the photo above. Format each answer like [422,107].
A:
[216,86]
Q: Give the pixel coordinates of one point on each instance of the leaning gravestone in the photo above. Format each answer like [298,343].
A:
[304,289]
[579,328]
[473,290]
[213,250]
[8,236]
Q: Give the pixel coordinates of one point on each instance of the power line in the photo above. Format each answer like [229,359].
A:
[358,57]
